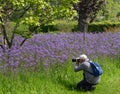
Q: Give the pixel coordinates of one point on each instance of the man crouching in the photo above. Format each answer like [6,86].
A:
[89,81]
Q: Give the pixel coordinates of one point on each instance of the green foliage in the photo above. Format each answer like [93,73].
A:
[29,13]
[65,25]
[58,26]
[109,11]
[68,26]
[63,8]
[36,15]
[100,26]
[47,28]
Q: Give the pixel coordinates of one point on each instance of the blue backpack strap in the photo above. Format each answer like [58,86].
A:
[96,68]
[89,71]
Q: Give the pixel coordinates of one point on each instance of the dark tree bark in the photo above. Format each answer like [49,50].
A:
[82,23]
[87,10]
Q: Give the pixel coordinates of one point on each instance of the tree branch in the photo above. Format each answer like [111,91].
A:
[17,24]
[5,34]
[1,46]
[23,41]
[13,34]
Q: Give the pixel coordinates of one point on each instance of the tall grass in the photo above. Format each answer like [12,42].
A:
[60,79]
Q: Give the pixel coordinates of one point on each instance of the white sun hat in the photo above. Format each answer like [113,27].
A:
[83,56]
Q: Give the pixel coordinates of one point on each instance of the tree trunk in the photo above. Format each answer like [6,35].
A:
[82,23]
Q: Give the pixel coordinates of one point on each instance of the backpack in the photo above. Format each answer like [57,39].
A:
[96,69]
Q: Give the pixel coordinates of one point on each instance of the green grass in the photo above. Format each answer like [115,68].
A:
[60,79]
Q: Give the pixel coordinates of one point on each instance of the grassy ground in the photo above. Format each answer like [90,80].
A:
[60,79]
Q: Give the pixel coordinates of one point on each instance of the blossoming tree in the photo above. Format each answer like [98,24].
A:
[30,13]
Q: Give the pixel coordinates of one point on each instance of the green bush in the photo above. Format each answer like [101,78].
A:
[65,25]
[100,26]
[48,28]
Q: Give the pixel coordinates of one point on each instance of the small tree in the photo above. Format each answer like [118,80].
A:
[30,13]
[87,10]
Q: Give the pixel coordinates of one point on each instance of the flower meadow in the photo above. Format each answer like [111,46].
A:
[48,49]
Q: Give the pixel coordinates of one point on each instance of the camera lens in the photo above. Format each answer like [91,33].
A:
[73,60]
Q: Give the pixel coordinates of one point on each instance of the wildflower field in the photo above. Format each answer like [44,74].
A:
[43,64]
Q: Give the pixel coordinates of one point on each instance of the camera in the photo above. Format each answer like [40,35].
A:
[75,60]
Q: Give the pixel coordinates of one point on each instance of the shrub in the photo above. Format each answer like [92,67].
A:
[48,28]
[100,26]
[65,25]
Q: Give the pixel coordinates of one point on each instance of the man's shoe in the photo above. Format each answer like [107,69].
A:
[92,88]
